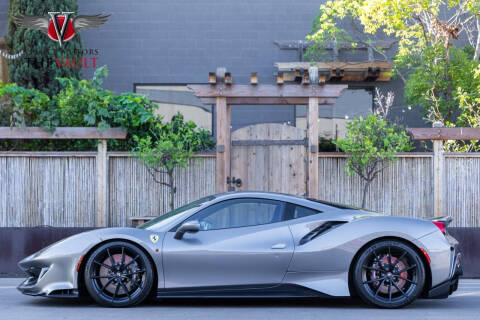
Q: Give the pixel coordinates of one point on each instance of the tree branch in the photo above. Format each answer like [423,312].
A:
[152,173]
[381,169]
[477,46]
[368,44]
[158,170]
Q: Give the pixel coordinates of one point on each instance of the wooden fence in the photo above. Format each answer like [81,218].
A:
[58,189]
[133,192]
[406,187]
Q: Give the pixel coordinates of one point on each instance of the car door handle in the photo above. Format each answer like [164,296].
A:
[279,246]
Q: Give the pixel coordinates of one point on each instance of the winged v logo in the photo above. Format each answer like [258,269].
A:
[60,27]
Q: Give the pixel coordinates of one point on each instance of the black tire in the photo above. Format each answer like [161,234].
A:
[389,274]
[118,274]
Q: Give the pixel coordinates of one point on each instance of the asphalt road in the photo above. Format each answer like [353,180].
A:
[463,304]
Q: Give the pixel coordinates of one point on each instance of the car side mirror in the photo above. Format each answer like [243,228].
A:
[189,226]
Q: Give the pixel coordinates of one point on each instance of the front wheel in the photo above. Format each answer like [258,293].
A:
[118,274]
[389,274]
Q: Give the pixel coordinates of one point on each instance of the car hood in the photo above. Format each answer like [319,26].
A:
[81,243]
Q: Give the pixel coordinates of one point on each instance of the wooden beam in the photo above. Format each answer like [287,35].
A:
[350,71]
[304,44]
[312,114]
[444,133]
[326,66]
[102,184]
[49,154]
[398,155]
[223,145]
[269,101]
[121,154]
[267,91]
[62,133]
[438,165]
[83,154]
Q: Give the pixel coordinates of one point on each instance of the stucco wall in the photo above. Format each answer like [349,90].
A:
[3,17]
[180,41]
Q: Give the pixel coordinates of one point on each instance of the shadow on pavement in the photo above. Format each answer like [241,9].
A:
[354,303]
[209,303]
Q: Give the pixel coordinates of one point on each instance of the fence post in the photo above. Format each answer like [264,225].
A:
[438,167]
[102,184]
[223,145]
[312,186]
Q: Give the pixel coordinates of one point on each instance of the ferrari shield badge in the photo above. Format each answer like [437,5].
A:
[154,238]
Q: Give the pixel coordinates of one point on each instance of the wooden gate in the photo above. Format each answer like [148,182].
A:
[269,157]
[312,92]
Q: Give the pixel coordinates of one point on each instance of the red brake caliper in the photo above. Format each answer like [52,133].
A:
[400,265]
[117,258]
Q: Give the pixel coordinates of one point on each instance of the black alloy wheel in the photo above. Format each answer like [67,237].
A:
[118,274]
[389,274]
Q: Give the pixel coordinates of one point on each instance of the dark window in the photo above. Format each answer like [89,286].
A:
[171,99]
[294,211]
[333,204]
[239,213]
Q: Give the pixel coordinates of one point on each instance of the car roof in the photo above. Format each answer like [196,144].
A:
[313,203]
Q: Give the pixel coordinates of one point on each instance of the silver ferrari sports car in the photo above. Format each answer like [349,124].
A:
[253,244]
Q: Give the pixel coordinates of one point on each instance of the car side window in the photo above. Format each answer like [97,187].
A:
[237,213]
[294,211]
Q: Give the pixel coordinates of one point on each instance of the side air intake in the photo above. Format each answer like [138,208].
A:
[323,228]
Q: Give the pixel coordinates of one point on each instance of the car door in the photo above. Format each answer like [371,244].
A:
[241,242]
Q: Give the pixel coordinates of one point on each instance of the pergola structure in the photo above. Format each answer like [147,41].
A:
[223,93]
[369,70]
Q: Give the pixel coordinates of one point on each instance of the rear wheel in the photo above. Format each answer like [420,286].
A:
[389,274]
[118,274]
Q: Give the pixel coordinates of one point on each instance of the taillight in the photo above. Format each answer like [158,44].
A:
[440,226]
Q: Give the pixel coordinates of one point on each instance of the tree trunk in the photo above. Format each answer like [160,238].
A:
[172,188]
[365,190]
[448,93]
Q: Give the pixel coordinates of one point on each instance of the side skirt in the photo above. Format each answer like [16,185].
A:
[260,291]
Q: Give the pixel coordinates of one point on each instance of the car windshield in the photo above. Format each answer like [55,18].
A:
[174,212]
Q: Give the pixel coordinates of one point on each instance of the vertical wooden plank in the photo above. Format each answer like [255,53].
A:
[102,184]
[223,145]
[312,132]
[438,178]
[239,163]
[4,186]
[228,145]
[276,168]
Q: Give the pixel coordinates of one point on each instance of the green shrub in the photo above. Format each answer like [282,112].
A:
[84,103]
[170,145]
[371,145]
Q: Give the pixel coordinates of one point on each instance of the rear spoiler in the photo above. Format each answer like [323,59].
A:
[446,220]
